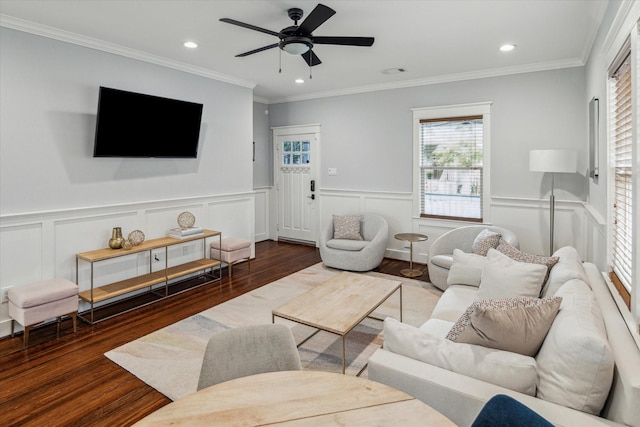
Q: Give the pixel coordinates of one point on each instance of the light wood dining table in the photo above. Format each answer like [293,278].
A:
[297,398]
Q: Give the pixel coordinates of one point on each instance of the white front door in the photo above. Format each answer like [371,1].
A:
[295,164]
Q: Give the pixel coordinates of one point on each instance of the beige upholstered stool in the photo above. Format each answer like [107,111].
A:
[36,302]
[234,249]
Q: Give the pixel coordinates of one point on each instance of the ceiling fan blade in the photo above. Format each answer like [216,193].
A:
[316,18]
[251,52]
[345,41]
[251,27]
[311,58]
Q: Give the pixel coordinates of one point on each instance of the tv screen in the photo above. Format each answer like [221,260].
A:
[137,125]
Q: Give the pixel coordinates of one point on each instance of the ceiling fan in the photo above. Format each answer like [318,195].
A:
[298,40]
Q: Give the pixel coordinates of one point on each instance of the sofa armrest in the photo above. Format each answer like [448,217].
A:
[458,397]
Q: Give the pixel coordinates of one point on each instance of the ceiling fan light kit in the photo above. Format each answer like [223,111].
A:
[296,45]
[299,40]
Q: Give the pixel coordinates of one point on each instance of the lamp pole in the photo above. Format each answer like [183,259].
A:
[552,212]
[552,161]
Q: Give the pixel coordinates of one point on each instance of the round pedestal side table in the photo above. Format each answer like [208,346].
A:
[411,237]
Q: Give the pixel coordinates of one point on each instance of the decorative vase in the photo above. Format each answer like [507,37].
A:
[126,244]
[115,242]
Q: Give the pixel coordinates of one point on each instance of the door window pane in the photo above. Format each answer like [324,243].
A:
[296,152]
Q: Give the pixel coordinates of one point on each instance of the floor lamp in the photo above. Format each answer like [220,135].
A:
[552,161]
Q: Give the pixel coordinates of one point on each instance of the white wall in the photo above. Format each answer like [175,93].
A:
[262,175]
[368,136]
[57,200]
[48,113]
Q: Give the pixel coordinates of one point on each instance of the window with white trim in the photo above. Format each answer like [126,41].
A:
[451,146]
[621,172]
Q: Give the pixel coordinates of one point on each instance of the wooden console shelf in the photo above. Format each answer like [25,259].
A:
[103,293]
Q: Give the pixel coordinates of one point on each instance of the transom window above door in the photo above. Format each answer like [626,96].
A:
[296,152]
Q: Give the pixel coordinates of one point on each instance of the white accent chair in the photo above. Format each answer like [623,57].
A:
[356,255]
[250,350]
[441,251]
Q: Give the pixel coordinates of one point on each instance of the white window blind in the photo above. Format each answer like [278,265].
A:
[621,138]
[451,168]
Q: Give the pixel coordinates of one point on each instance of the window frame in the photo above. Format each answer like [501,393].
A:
[626,41]
[446,112]
[615,261]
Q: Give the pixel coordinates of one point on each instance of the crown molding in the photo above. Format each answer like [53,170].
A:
[598,16]
[91,43]
[474,75]
[626,16]
[260,99]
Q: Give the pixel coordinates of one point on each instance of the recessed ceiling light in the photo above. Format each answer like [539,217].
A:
[191,45]
[507,47]
[299,81]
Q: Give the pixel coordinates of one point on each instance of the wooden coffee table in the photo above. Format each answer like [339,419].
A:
[339,304]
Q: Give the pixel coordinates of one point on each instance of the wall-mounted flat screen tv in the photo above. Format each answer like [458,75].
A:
[133,124]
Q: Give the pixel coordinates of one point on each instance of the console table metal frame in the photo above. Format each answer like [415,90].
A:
[108,291]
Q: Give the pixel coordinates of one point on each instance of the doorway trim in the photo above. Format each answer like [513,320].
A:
[278,131]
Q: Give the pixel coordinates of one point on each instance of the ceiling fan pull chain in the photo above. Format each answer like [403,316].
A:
[280,69]
[310,73]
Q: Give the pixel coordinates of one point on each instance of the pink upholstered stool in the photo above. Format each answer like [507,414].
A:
[36,302]
[234,249]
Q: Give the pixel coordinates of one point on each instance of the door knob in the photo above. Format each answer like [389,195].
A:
[312,197]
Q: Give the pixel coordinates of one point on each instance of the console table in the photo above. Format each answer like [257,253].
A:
[109,291]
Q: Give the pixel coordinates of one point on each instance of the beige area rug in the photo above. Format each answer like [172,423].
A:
[169,359]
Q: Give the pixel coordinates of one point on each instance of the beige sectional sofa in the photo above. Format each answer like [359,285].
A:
[585,373]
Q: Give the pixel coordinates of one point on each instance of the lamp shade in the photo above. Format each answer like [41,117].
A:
[553,161]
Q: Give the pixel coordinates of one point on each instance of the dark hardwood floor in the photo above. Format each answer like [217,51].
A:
[65,380]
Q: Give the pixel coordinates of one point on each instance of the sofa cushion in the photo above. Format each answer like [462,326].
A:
[437,327]
[503,277]
[517,324]
[466,269]
[518,255]
[346,227]
[453,302]
[575,362]
[347,245]
[503,368]
[444,261]
[569,267]
[484,241]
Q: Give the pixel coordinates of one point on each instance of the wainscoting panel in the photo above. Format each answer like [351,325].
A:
[234,217]
[338,203]
[262,213]
[529,219]
[22,256]
[397,211]
[43,245]
[595,235]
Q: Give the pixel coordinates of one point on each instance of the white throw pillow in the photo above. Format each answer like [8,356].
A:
[575,362]
[503,278]
[503,368]
[466,269]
